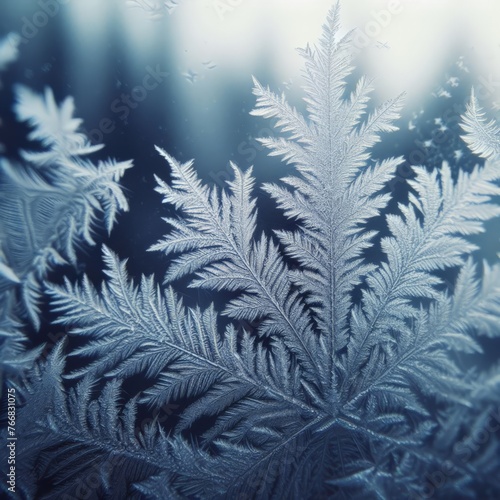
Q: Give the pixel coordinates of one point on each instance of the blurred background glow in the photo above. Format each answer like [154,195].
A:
[403,43]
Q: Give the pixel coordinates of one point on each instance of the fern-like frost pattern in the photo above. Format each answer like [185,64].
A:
[50,203]
[325,374]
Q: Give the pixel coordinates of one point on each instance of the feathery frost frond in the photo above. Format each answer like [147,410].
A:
[482,136]
[52,204]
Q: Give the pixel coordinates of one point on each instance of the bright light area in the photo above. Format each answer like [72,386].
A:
[405,44]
